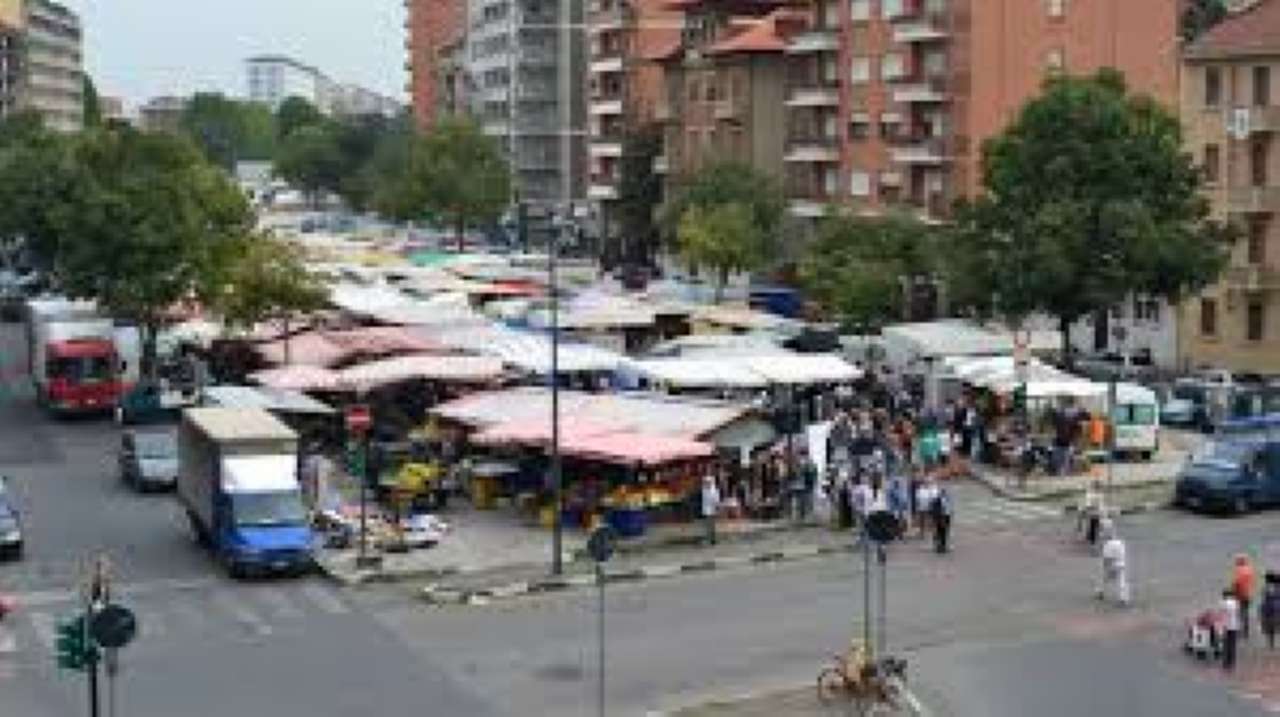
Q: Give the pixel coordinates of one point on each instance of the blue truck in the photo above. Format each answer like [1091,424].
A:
[1235,474]
[238,483]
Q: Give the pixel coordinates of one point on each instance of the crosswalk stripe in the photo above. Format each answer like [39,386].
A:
[279,602]
[231,603]
[324,599]
[8,641]
[45,628]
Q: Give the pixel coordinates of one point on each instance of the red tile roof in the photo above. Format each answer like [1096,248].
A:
[766,34]
[1255,31]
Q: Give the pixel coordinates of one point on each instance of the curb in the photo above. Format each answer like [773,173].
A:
[441,595]
[1058,494]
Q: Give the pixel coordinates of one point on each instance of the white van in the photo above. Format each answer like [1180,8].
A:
[1136,417]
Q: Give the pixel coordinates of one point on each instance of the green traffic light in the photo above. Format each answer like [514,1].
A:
[75,650]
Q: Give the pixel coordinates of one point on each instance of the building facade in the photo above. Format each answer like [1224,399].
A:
[41,62]
[526,62]
[271,79]
[162,114]
[1231,113]
[434,30]
[910,89]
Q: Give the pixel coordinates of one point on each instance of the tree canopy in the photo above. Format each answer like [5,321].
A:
[293,114]
[1200,15]
[92,103]
[639,193]
[262,279]
[729,182]
[858,267]
[723,237]
[311,160]
[1088,198]
[228,130]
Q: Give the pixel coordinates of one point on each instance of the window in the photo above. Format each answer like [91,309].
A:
[891,8]
[892,66]
[860,69]
[1255,318]
[1258,241]
[859,128]
[1056,60]
[860,10]
[1057,8]
[1258,163]
[1212,86]
[1261,86]
[1211,163]
[1209,317]
[860,184]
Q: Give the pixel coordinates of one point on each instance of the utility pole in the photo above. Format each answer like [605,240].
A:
[557,478]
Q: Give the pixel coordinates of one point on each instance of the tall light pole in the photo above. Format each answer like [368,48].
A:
[557,479]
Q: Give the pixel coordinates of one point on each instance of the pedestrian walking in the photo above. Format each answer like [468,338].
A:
[1115,578]
[1269,609]
[1242,581]
[941,509]
[1230,610]
[710,506]
[808,483]
[1090,514]
[925,495]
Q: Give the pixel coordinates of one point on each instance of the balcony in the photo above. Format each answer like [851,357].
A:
[815,41]
[606,62]
[661,165]
[1252,200]
[662,111]
[931,91]
[813,148]
[605,107]
[1244,121]
[923,28]
[814,95]
[607,145]
[1252,278]
[925,152]
[601,192]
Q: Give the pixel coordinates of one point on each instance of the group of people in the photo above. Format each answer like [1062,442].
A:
[1228,623]
[881,464]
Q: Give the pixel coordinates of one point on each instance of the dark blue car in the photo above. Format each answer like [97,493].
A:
[1236,474]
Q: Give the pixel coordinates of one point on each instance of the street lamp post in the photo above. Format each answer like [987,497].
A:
[557,478]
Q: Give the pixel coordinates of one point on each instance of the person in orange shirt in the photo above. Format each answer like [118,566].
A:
[1242,583]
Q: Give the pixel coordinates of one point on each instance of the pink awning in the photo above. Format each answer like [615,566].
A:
[330,348]
[596,442]
[310,349]
[300,378]
[459,369]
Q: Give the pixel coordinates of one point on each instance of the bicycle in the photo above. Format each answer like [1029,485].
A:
[869,687]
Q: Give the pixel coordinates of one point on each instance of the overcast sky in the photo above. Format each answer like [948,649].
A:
[141,48]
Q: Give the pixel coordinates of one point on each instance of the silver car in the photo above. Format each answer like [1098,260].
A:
[149,458]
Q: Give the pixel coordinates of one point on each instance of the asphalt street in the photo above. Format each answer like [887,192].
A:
[1004,626]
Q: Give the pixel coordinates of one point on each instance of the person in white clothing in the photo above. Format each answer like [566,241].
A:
[1115,578]
[1229,619]
[926,493]
[710,506]
[1091,512]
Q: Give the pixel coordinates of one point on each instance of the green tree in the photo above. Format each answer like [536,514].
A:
[92,103]
[858,267]
[38,172]
[293,114]
[728,182]
[373,148]
[216,124]
[1088,198]
[1200,15]
[722,237]
[311,160]
[259,139]
[145,227]
[639,193]
[456,173]
[259,279]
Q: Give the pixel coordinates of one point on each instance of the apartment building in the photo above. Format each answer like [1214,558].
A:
[163,113]
[435,29]
[623,86]
[526,62]
[41,62]
[730,88]
[271,79]
[894,98]
[1231,114]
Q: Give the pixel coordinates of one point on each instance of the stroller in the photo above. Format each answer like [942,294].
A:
[1203,636]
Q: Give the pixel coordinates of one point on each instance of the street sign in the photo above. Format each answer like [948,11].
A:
[113,626]
[359,419]
[601,543]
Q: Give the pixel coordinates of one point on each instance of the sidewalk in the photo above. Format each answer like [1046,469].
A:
[1160,471]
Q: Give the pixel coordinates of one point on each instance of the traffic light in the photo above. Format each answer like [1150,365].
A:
[76,650]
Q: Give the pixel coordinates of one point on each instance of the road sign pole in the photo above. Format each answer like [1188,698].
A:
[600,641]
[866,585]
[882,555]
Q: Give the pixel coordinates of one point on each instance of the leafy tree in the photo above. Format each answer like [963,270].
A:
[311,160]
[92,103]
[259,279]
[639,193]
[295,113]
[37,173]
[1200,15]
[259,139]
[455,172]
[724,237]
[729,182]
[216,124]
[145,227]
[857,266]
[1089,198]
[373,148]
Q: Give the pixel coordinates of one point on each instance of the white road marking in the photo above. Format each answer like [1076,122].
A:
[232,604]
[8,641]
[45,627]
[280,603]
[324,598]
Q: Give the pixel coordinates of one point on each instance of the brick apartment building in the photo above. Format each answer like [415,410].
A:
[888,102]
[1231,113]
[434,28]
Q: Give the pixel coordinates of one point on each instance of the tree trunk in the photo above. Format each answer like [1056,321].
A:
[460,226]
[1068,356]
[722,278]
[147,361]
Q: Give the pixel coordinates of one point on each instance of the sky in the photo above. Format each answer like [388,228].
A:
[137,49]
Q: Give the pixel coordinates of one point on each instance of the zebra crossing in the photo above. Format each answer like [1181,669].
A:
[996,512]
[211,611]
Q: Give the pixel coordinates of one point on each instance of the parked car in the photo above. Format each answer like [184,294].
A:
[10,525]
[149,458]
[1235,474]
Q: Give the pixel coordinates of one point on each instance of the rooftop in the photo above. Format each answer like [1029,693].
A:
[1254,30]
